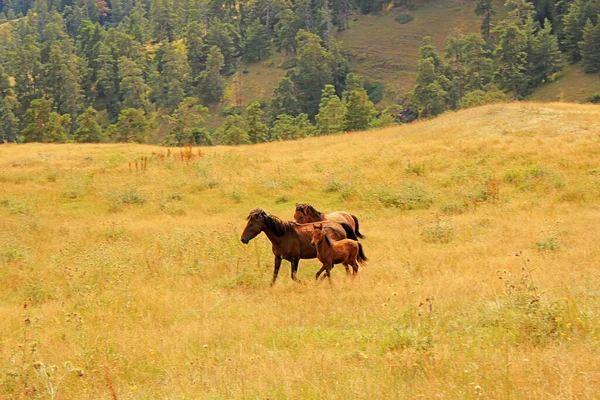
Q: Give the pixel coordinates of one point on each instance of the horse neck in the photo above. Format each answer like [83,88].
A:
[272,235]
[324,247]
[316,215]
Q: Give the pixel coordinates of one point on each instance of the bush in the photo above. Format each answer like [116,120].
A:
[375,91]
[595,98]
[290,63]
[231,110]
[404,18]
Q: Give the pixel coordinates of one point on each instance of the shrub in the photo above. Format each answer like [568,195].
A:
[440,232]
[288,64]
[404,18]
[231,110]
[375,91]
[595,98]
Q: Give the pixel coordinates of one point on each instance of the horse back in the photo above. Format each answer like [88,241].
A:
[341,217]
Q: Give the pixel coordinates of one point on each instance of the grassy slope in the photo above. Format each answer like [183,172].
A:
[139,276]
[571,85]
[386,50]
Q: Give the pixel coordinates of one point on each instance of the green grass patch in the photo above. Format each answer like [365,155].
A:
[404,18]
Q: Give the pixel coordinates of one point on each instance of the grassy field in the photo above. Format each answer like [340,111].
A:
[123,277]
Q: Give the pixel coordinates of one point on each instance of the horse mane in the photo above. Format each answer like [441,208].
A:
[317,214]
[272,222]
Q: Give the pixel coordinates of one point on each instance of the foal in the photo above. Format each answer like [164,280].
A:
[345,251]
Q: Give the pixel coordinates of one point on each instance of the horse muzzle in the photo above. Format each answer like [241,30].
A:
[244,240]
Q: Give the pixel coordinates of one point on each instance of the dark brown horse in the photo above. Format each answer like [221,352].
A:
[345,251]
[290,241]
[305,213]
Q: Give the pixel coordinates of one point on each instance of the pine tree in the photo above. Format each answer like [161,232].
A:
[162,20]
[286,30]
[188,117]
[133,126]
[545,57]
[257,129]
[173,76]
[232,132]
[211,83]
[197,50]
[359,111]
[133,89]
[283,100]
[9,123]
[485,8]
[89,130]
[44,125]
[332,110]
[228,39]
[573,31]
[257,44]
[590,47]
[107,81]
[287,127]
[512,58]
[313,71]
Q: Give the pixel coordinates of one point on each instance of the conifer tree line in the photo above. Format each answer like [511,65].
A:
[113,70]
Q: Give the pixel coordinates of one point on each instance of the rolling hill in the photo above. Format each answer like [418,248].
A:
[122,274]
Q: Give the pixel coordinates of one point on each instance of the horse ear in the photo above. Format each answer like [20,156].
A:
[305,208]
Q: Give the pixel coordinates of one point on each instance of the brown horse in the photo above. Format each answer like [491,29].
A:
[290,241]
[345,251]
[305,213]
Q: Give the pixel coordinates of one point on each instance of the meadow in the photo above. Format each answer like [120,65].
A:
[122,274]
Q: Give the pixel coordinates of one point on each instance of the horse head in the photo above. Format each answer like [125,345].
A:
[318,233]
[255,224]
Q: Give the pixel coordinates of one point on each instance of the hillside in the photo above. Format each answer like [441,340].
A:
[125,278]
[571,85]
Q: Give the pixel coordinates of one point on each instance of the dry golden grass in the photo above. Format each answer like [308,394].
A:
[137,286]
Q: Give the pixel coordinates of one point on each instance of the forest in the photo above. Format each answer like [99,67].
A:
[146,71]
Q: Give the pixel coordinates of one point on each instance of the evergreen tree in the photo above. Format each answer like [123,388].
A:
[485,8]
[211,83]
[197,50]
[107,81]
[136,24]
[163,20]
[313,71]
[573,31]
[257,129]
[89,130]
[188,117]
[9,123]
[332,110]
[228,39]
[172,80]
[590,47]
[545,55]
[257,44]
[62,79]
[287,127]
[286,30]
[359,111]
[283,100]
[232,133]
[26,68]
[44,125]
[133,89]
[512,58]
[133,126]
[5,86]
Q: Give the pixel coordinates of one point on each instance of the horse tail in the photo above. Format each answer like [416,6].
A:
[360,235]
[362,259]
[349,231]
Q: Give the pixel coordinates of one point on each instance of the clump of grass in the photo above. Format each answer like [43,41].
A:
[410,197]
[455,208]
[416,168]
[548,244]
[404,18]
[335,185]
[282,199]
[438,232]
[132,196]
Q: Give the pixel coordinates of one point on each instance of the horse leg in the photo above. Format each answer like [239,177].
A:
[347,268]
[276,266]
[294,263]
[319,272]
